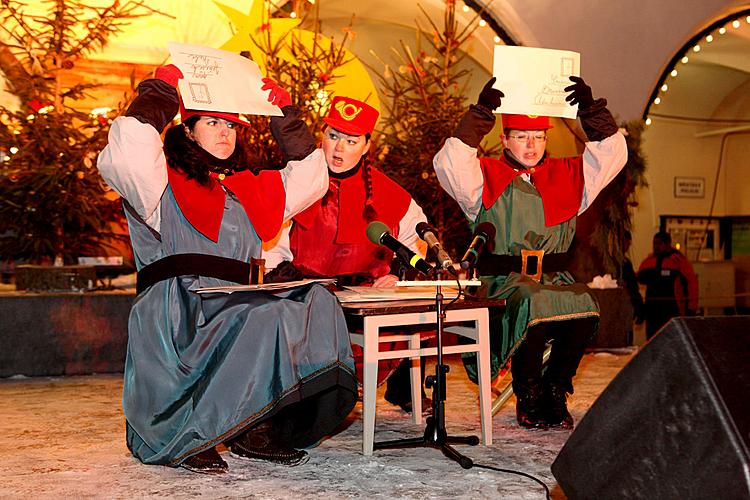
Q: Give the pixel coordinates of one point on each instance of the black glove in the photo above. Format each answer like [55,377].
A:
[597,121]
[580,93]
[474,125]
[490,98]
[156,104]
[285,271]
[292,134]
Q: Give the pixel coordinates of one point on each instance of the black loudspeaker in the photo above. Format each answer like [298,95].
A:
[673,424]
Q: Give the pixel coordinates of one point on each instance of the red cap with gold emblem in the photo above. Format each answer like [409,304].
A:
[526,122]
[232,117]
[351,116]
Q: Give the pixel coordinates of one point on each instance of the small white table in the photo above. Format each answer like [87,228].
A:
[377,317]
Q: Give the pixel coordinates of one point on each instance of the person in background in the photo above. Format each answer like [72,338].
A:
[671,284]
[329,238]
[533,201]
[264,374]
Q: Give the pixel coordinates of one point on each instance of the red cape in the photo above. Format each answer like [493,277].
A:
[262,196]
[559,181]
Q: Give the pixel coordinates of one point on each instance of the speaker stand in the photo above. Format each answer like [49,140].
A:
[435,435]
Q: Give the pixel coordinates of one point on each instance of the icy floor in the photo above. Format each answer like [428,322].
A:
[64,438]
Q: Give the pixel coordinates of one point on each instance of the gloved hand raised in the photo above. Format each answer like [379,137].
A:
[278,95]
[580,93]
[169,74]
[490,98]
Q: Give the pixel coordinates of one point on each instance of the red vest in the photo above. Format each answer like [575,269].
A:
[559,181]
[329,238]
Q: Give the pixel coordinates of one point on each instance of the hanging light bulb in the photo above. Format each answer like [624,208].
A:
[722,30]
[710,38]
[664,87]
[648,121]
[684,60]
[496,39]
[697,48]
[657,100]
[465,8]
[735,24]
[673,73]
[482,23]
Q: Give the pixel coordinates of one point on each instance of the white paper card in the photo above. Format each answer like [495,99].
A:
[217,80]
[533,80]
[265,287]
[378,294]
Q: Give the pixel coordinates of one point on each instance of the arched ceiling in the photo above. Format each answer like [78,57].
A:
[624,46]
[710,80]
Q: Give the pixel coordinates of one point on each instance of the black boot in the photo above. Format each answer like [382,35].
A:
[555,406]
[206,462]
[398,388]
[529,409]
[260,443]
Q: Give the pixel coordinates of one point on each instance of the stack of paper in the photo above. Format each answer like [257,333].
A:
[265,287]
[372,294]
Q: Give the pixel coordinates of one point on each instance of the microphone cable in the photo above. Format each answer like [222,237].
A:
[519,473]
[460,293]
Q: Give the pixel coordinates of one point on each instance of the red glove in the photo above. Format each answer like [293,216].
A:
[169,74]
[278,95]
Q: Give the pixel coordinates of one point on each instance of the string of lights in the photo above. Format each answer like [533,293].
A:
[691,51]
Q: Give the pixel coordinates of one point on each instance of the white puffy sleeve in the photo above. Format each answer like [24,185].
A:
[458,172]
[133,164]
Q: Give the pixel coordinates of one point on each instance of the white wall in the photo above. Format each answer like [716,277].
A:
[673,150]
[624,45]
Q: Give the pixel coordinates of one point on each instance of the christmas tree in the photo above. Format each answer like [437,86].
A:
[425,96]
[53,203]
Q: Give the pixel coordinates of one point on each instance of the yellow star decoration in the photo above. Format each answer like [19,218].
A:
[249,25]
[352,79]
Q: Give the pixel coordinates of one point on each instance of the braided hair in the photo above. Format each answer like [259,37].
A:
[369,213]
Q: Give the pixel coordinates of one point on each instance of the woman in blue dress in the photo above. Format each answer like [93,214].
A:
[263,373]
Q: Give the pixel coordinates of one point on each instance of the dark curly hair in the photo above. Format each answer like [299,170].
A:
[187,156]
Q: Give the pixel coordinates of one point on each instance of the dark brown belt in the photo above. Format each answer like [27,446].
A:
[531,263]
[197,264]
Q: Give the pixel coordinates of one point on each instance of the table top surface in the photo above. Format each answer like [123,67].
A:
[409,306]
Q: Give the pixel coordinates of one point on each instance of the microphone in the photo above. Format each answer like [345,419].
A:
[429,235]
[484,232]
[378,233]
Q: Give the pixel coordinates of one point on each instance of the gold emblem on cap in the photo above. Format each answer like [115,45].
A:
[533,116]
[347,110]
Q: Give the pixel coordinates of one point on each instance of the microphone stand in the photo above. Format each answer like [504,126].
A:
[435,435]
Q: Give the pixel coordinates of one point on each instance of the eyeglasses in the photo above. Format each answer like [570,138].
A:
[539,137]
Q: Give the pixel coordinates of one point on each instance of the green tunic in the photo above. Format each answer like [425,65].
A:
[518,216]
